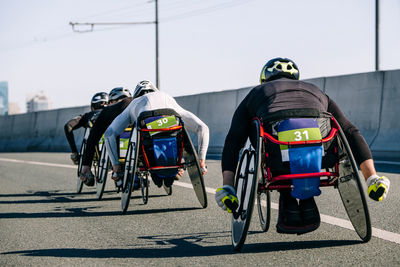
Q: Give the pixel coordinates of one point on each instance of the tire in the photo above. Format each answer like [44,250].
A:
[245,186]
[144,186]
[352,192]
[168,189]
[264,208]
[101,174]
[130,170]
[79,184]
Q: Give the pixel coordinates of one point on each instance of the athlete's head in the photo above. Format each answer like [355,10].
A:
[279,68]
[99,101]
[119,93]
[144,87]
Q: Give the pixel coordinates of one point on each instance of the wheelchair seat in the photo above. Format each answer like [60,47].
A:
[271,124]
[162,142]
[297,142]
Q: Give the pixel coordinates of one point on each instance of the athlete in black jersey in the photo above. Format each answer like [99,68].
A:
[120,98]
[98,102]
[281,89]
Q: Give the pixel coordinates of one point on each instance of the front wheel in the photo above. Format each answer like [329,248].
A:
[79,182]
[264,208]
[144,186]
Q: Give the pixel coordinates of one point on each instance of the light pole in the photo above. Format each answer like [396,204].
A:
[92,24]
[376,35]
[157,65]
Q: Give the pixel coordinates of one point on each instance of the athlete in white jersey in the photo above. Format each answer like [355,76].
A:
[146,98]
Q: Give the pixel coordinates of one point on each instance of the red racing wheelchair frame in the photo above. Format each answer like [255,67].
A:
[147,166]
[271,182]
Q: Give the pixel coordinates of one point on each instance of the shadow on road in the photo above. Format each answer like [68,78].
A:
[58,197]
[86,212]
[194,245]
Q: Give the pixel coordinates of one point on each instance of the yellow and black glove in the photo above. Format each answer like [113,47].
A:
[226,198]
[378,187]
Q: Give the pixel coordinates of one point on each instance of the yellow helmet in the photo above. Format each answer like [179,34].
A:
[279,68]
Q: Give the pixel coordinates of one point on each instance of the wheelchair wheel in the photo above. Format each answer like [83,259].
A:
[79,184]
[193,169]
[101,175]
[245,186]
[130,170]
[144,186]
[264,208]
[351,191]
[168,189]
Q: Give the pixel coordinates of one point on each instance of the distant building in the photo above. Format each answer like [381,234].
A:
[3,98]
[37,102]
[13,108]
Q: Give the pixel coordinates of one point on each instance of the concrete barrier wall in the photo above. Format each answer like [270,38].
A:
[369,100]
[387,139]
[38,131]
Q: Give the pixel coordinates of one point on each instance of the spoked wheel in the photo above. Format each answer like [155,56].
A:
[144,186]
[101,176]
[245,186]
[79,182]
[130,170]
[245,189]
[264,207]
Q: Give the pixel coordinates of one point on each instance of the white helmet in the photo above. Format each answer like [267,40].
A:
[144,87]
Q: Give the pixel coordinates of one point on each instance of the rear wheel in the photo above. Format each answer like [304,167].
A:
[102,171]
[245,186]
[245,183]
[351,191]
[79,182]
[130,170]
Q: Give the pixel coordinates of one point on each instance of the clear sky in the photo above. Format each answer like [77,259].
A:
[205,45]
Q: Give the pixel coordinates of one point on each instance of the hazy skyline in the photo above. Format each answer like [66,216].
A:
[204,45]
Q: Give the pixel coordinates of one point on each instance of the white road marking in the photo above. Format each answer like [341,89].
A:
[382,234]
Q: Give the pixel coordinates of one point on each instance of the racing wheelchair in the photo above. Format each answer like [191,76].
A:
[96,159]
[261,170]
[104,165]
[158,143]
[101,163]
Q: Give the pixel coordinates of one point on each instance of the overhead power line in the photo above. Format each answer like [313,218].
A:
[92,24]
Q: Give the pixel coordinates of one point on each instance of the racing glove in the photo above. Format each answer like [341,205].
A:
[226,198]
[378,187]
[75,158]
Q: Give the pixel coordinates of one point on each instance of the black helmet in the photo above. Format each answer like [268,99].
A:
[279,68]
[144,87]
[119,92]
[99,100]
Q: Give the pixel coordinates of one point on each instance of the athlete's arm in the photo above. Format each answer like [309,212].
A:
[107,115]
[113,131]
[73,124]
[194,124]
[356,141]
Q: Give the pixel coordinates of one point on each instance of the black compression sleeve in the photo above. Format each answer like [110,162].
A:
[236,137]
[106,117]
[359,146]
[69,127]
[99,127]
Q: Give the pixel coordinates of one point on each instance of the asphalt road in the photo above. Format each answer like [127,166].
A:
[44,222]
